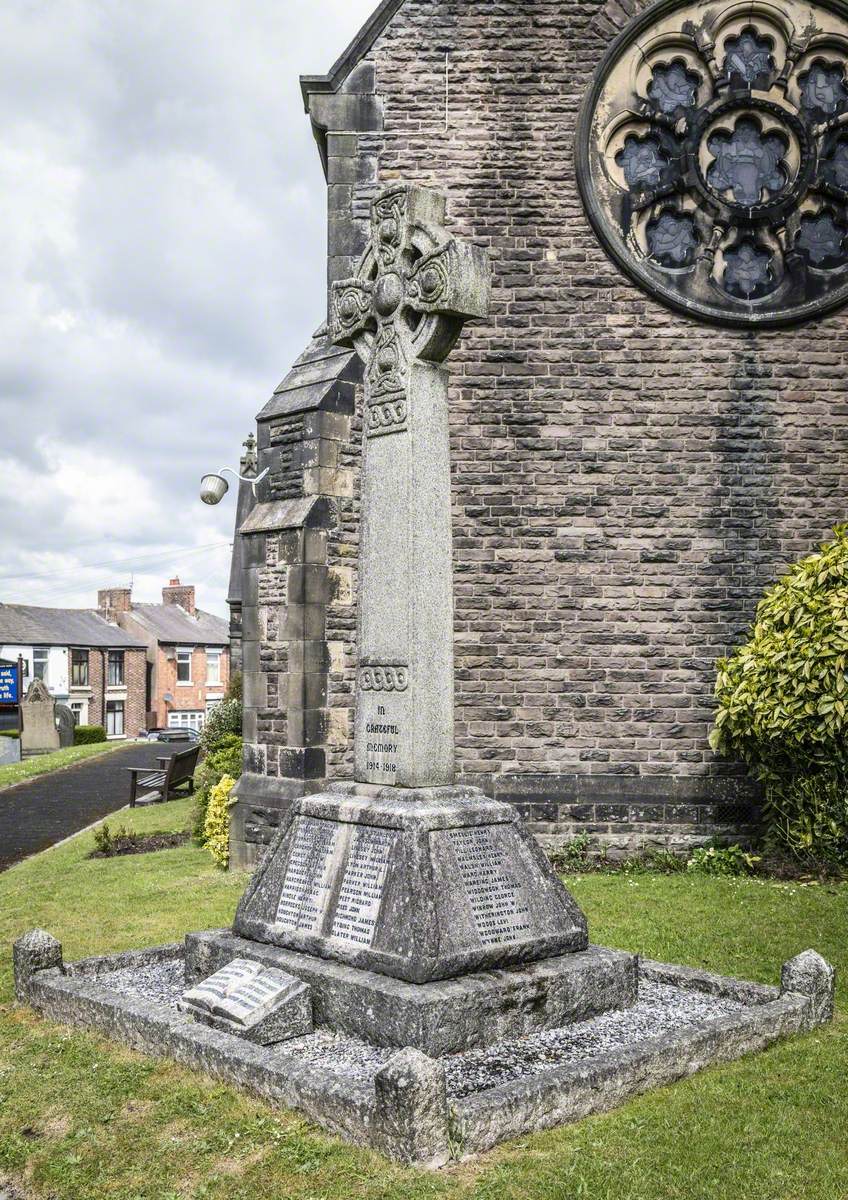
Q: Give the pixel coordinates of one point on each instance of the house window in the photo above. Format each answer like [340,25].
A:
[183,666]
[77,708]
[186,720]
[40,656]
[115,677]
[79,668]
[114,718]
[213,666]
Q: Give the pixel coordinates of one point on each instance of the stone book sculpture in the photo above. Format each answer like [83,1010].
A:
[262,1002]
[400,873]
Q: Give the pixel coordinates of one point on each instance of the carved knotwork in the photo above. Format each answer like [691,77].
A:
[416,287]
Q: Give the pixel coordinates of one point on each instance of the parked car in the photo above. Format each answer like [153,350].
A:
[173,735]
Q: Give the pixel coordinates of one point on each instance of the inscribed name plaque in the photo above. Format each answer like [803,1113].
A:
[307,884]
[259,1003]
[361,892]
[489,872]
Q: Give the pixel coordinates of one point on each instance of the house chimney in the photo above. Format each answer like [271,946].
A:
[179,593]
[112,601]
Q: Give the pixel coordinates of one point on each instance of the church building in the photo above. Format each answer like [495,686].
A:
[647,429]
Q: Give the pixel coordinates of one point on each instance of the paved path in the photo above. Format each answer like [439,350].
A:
[44,810]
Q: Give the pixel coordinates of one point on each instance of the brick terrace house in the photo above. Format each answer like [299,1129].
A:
[188,653]
[627,476]
[87,662]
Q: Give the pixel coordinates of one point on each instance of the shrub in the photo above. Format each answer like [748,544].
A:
[225,718]
[10,733]
[225,759]
[216,828]
[87,735]
[236,689]
[783,703]
[722,860]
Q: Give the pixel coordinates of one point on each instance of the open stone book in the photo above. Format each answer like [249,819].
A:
[243,992]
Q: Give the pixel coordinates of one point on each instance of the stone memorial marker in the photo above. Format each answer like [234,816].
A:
[416,288]
[400,873]
[65,725]
[39,734]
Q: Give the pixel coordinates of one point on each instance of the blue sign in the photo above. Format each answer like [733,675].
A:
[10,690]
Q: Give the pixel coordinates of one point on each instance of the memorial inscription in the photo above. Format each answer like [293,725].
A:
[361,892]
[308,879]
[498,906]
[384,728]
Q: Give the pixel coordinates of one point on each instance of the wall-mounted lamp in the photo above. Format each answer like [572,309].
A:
[213,488]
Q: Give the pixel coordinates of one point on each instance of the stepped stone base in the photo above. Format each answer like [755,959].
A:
[418,884]
[444,1017]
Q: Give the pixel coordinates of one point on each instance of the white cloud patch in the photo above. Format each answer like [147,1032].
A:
[162,237]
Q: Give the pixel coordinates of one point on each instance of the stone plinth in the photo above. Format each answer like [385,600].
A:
[444,1017]
[420,886]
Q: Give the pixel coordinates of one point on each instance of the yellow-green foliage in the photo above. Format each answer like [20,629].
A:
[783,699]
[216,829]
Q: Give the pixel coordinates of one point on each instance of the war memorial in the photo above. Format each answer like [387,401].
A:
[405,966]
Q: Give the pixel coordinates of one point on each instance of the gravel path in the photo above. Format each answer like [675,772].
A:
[44,810]
[661,1009]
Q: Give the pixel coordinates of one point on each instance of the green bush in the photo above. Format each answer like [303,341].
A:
[224,719]
[10,733]
[225,759]
[783,703]
[722,860]
[236,689]
[87,735]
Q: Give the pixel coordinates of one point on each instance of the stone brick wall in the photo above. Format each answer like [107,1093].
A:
[626,481]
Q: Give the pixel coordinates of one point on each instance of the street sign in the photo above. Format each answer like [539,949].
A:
[10,685]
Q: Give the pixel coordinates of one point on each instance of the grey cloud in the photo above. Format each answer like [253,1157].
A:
[160,267]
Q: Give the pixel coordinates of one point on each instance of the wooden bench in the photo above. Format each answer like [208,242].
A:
[151,785]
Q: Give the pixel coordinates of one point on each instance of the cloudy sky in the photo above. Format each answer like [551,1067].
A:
[162,230]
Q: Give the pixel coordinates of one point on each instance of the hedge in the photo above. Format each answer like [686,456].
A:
[87,735]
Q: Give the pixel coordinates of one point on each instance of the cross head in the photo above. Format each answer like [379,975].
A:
[415,289]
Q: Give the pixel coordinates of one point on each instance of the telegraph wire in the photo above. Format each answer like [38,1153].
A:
[130,560]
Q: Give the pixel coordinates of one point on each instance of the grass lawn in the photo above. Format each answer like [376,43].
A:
[81,1119]
[43,764]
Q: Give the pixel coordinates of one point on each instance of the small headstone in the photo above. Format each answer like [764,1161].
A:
[10,751]
[261,1004]
[65,724]
[39,734]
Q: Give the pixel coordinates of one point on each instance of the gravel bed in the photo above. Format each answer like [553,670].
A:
[163,982]
[661,1009]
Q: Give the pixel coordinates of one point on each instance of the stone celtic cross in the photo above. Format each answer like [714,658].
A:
[404,312]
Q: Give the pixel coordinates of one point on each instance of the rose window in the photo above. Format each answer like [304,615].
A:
[713,159]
